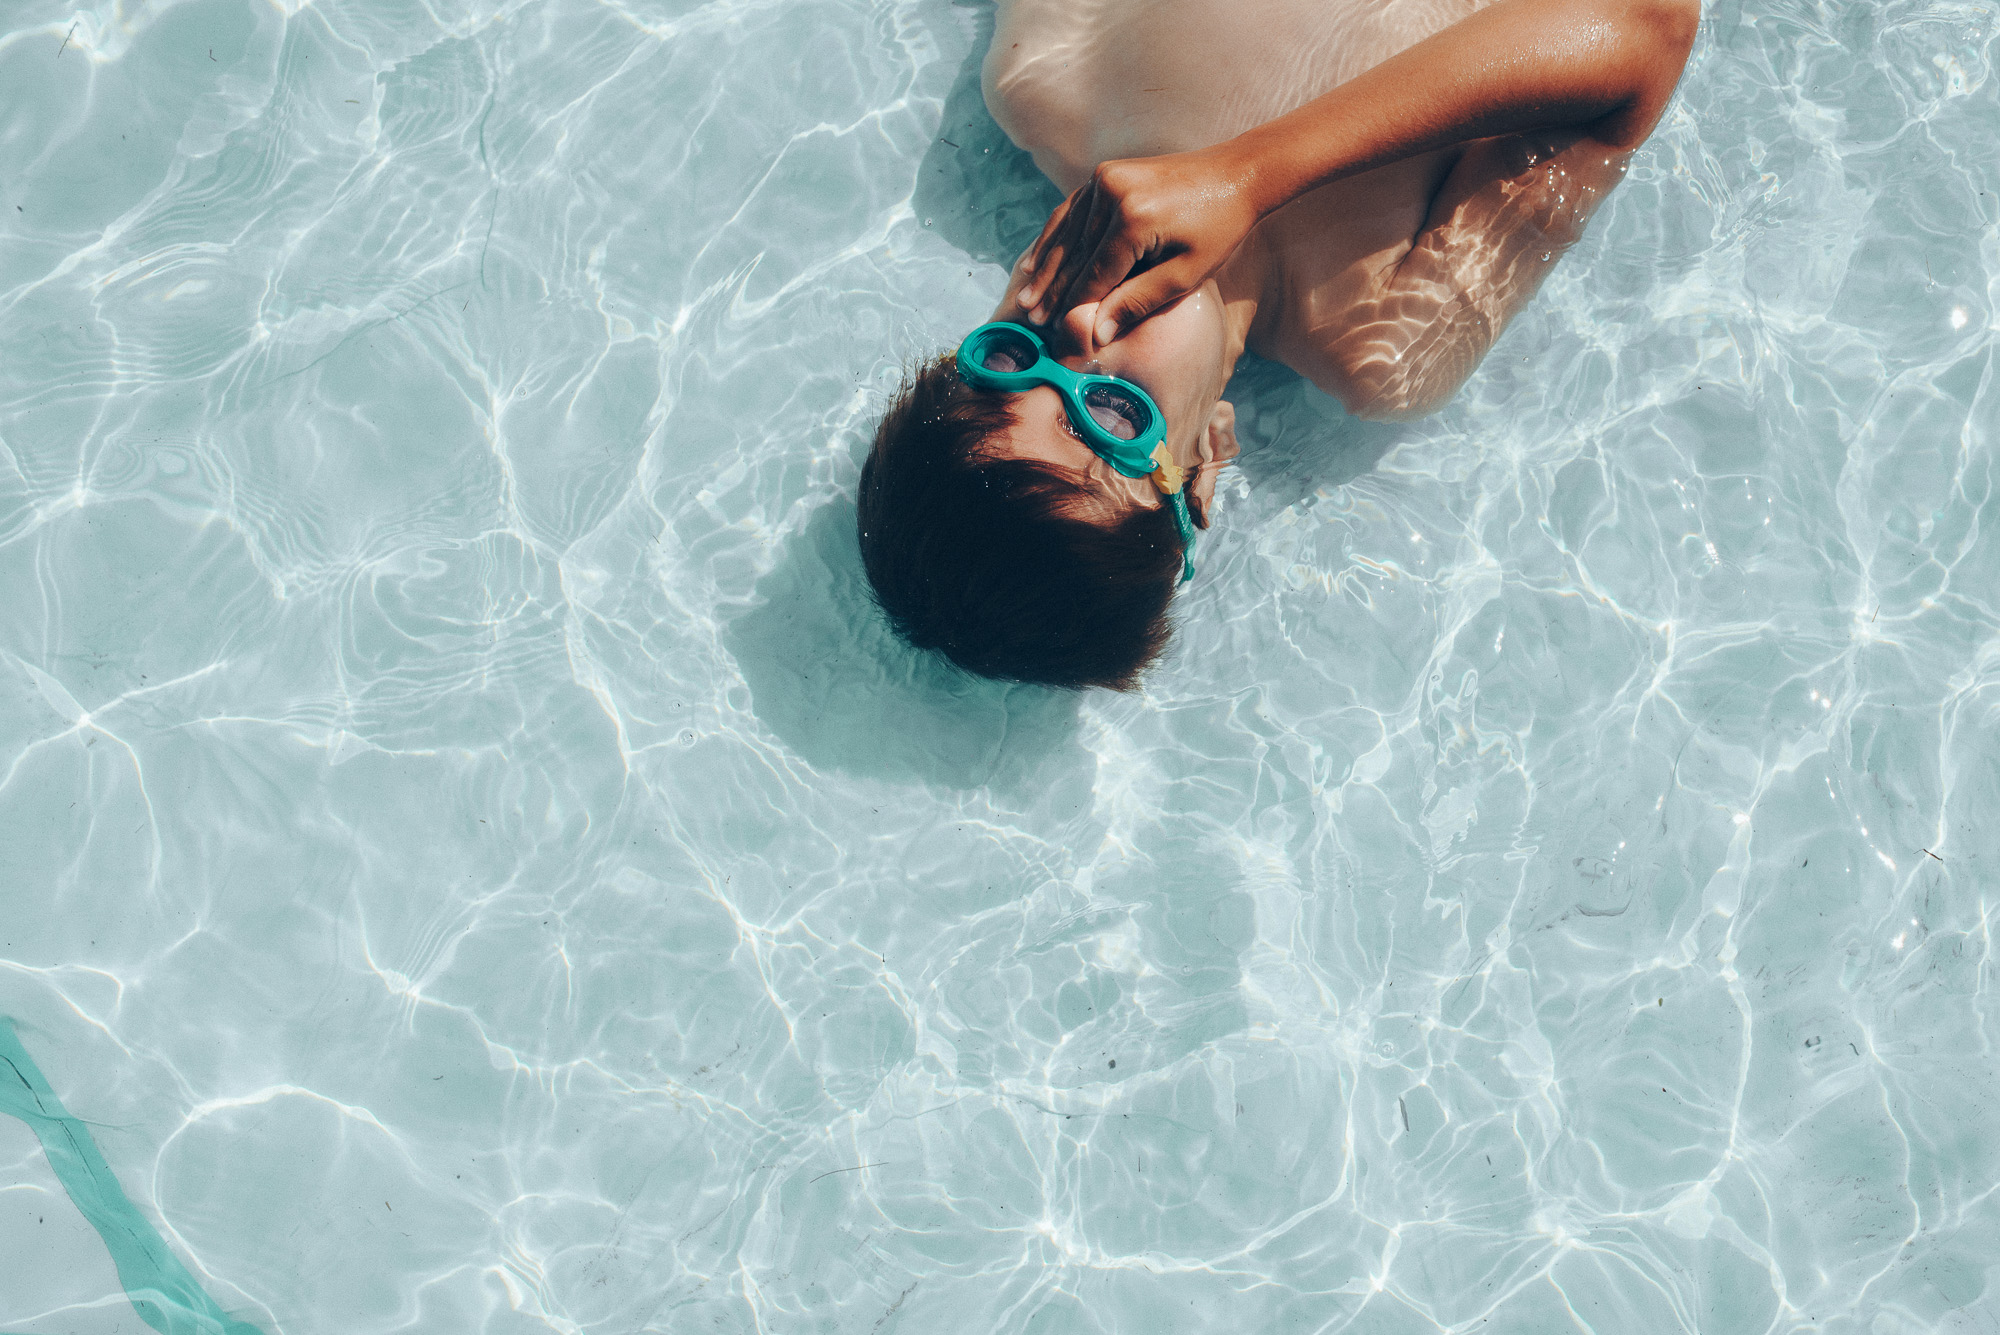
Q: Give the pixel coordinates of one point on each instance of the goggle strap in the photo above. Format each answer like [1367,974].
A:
[1185,523]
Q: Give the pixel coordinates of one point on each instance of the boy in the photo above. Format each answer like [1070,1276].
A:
[1364,191]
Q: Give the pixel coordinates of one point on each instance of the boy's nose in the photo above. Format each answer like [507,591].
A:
[1073,334]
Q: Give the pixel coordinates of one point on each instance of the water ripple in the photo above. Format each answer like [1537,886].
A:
[479,863]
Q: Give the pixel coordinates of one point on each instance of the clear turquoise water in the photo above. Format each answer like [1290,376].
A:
[473,864]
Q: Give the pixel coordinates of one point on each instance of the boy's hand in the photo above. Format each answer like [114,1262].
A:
[1142,233]
[1147,230]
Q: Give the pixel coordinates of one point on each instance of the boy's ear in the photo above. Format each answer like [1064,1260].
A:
[1216,448]
[1218,442]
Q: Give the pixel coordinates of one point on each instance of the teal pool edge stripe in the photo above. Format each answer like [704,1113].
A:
[160,1288]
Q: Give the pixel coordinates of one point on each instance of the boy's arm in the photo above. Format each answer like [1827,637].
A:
[1604,69]
[1511,206]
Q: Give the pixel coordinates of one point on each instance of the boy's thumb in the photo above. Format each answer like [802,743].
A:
[1133,302]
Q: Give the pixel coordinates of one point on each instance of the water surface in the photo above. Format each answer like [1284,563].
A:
[474,862]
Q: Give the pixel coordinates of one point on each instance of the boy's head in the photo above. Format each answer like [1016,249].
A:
[994,535]
[1011,567]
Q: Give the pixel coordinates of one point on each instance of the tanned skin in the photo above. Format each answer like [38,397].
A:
[1368,190]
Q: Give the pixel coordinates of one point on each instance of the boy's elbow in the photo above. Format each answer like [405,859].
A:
[1644,63]
[1669,27]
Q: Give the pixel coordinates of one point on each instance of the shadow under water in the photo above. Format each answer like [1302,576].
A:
[835,684]
[1297,442]
[974,188]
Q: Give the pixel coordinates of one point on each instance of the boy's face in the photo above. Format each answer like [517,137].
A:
[1181,356]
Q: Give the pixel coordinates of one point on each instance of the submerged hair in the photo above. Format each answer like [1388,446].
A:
[989,561]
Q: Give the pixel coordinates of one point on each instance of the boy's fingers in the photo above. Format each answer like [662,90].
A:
[1039,253]
[1087,236]
[1099,275]
[1115,257]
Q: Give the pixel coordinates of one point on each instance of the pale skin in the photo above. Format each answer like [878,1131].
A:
[1364,190]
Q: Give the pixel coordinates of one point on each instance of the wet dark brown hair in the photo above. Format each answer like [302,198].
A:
[987,559]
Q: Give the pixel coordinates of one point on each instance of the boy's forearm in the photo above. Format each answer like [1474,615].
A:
[1516,65]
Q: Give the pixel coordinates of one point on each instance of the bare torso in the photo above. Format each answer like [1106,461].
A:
[1384,288]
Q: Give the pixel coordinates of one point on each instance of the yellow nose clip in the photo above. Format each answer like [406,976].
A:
[1167,475]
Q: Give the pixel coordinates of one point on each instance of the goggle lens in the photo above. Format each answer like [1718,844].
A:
[1118,411]
[1005,353]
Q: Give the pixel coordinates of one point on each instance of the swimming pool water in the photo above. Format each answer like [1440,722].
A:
[472,861]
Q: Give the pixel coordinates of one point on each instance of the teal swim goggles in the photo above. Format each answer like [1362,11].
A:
[1118,420]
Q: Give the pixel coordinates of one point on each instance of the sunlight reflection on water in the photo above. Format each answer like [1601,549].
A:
[476,863]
